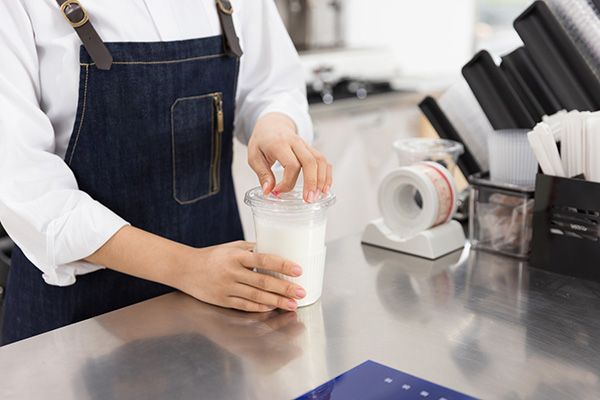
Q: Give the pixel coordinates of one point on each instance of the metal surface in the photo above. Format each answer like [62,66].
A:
[478,323]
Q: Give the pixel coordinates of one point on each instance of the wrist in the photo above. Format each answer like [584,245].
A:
[277,119]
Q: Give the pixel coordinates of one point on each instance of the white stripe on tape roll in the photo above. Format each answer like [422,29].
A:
[399,202]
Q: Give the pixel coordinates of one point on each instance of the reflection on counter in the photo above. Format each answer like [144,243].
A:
[311,359]
[129,371]
[553,298]
[213,340]
[494,316]
[498,289]
[420,285]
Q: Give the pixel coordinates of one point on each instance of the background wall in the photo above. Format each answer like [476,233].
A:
[427,37]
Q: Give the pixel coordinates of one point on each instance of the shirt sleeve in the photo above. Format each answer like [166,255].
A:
[270,78]
[55,224]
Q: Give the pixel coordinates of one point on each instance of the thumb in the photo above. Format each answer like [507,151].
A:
[264,174]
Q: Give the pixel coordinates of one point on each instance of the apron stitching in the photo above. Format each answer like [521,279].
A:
[162,62]
[217,156]
[212,149]
[237,69]
[82,114]
[210,193]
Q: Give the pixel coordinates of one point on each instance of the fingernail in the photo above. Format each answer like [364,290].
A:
[292,305]
[276,193]
[272,307]
[318,194]
[264,187]
[326,190]
[297,271]
[311,197]
[300,293]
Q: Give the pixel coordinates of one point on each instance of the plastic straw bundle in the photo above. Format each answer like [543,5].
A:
[580,144]
[581,21]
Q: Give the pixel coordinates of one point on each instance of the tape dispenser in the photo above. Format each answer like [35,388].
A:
[417,204]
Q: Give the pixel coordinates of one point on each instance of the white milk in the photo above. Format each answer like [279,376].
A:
[292,241]
[302,244]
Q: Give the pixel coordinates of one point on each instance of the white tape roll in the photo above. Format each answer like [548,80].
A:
[415,198]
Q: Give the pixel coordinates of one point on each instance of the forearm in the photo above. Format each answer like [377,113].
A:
[221,275]
[144,255]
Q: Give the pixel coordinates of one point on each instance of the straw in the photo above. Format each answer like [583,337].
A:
[593,149]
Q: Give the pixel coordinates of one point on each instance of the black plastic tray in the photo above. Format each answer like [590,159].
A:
[497,97]
[529,84]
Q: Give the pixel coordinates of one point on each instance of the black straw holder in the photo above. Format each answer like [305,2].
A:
[566,218]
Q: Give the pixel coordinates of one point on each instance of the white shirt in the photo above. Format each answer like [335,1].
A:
[55,224]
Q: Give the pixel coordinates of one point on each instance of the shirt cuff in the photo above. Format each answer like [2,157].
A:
[89,227]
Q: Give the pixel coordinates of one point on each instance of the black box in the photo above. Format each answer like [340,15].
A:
[566,218]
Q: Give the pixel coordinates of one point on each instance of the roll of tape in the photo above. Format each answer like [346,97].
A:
[415,198]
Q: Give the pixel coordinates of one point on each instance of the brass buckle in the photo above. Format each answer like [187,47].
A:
[70,3]
[228,12]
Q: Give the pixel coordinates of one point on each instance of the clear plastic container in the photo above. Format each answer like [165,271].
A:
[289,227]
[501,216]
[512,160]
[442,151]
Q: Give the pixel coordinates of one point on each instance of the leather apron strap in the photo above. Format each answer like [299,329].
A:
[76,15]
[231,42]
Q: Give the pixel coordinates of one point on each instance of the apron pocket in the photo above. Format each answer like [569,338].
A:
[196,127]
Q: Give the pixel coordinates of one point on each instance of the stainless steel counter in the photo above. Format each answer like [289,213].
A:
[481,324]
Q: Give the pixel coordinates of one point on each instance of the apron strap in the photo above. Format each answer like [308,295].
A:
[76,15]
[231,42]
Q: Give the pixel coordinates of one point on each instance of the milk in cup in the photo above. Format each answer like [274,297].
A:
[289,227]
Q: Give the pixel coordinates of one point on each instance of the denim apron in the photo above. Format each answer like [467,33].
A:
[152,141]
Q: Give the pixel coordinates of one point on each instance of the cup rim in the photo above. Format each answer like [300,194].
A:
[451,147]
[291,202]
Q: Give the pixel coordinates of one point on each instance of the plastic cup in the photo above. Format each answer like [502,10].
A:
[512,159]
[288,227]
[442,151]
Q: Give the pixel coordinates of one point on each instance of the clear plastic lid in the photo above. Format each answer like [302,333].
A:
[417,147]
[290,202]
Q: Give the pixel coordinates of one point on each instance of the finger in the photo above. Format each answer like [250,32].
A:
[329,179]
[262,168]
[309,167]
[291,169]
[271,284]
[273,263]
[244,304]
[322,167]
[253,294]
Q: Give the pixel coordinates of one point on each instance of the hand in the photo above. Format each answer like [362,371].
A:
[273,139]
[223,275]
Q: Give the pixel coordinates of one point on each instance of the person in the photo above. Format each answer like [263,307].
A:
[116,146]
